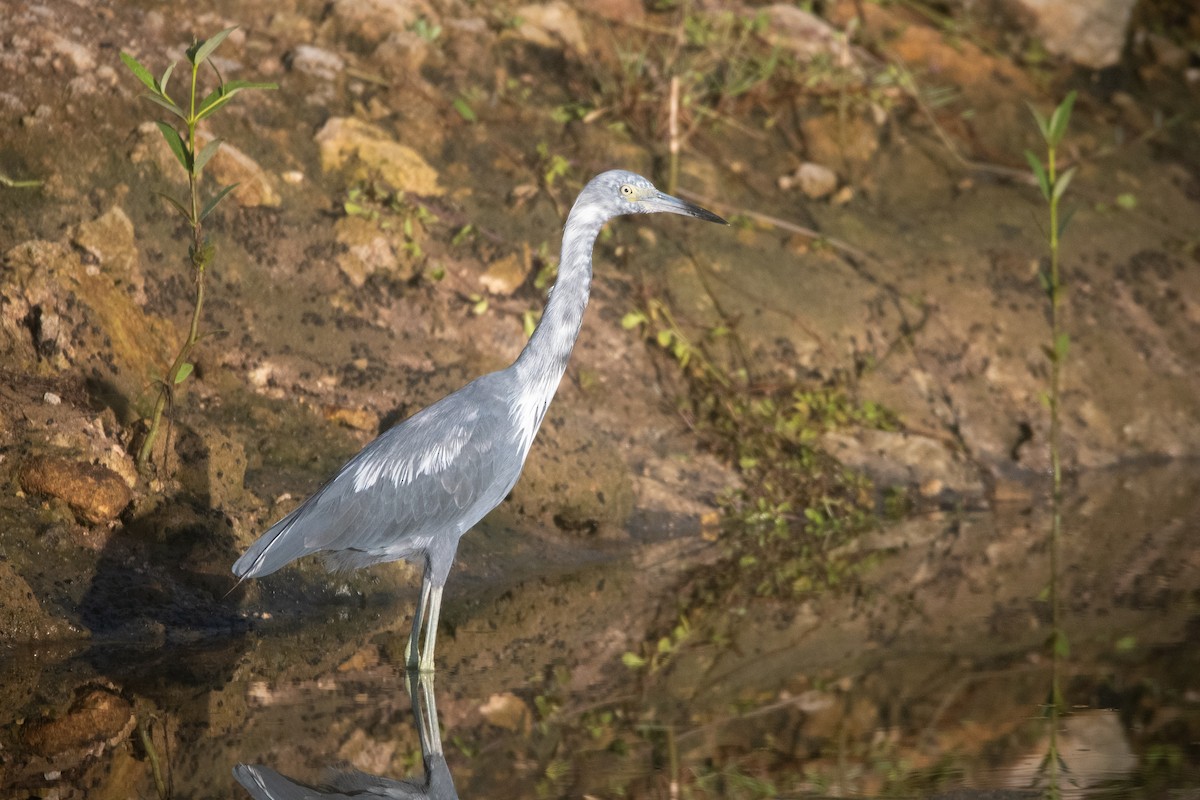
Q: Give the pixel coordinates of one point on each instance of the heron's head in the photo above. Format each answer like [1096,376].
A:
[616,192]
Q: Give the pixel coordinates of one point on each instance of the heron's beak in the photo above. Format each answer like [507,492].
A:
[673,205]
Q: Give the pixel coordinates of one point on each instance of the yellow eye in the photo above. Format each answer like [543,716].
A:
[628,192]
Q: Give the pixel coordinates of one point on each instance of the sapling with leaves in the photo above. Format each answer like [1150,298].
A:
[1053,185]
[181,136]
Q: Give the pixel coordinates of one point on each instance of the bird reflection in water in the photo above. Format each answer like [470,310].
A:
[264,783]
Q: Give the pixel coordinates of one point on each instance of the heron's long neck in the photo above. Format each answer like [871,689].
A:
[542,363]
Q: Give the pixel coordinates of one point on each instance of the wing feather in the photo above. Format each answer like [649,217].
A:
[434,475]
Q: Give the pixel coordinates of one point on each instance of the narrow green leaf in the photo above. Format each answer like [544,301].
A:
[1041,121]
[177,146]
[166,76]
[211,103]
[664,338]
[208,209]
[208,151]
[138,70]
[464,110]
[1039,172]
[1062,344]
[1063,182]
[1127,201]
[233,87]
[185,369]
[1044,280]
[1062,648]
[1062,225]
[178,205]
[1060,118]
[199,52]
[167,104]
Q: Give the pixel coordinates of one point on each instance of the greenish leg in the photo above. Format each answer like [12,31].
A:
[414,641]
[435,610]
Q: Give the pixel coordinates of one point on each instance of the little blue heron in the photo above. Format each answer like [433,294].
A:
[414,491]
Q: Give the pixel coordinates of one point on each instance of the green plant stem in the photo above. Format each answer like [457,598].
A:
[199,260]
[1055,332]
[1056,370]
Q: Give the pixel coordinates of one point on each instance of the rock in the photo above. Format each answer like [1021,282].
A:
[230,165]
[1089,32]
[315,62]
[848,141]
[505,275]
[805,35]
[366,150]
[370,249]
[367,753]
[402,55]
[360,419]
[22,618]
[506,710]
[98,718]
[553,25]
[814,180]
[109,239]
[256,188]
[897,459]
[96,494]
[212,466]
[56,315]
[370,21]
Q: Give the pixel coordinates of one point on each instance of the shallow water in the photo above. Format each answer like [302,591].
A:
[927,674]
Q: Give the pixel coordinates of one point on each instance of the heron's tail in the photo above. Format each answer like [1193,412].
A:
[272,550]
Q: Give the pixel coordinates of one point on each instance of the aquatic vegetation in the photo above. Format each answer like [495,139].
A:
[796,504]
[192,157]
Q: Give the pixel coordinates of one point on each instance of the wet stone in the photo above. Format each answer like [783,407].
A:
[505,275]
[22,618]
[96,494]
[814,180]
[98,718]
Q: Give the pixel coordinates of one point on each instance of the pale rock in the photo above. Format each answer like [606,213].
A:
[367,150]
[552,25]
[316,62]
[1089,32]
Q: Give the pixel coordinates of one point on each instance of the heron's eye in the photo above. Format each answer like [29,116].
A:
[627,192]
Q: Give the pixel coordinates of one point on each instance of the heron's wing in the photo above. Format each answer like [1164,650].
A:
[435,474]
[264,783]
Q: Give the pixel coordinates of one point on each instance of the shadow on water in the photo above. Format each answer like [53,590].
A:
[928,678]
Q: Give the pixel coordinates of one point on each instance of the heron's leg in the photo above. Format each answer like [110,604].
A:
[414,641]
[431,626]
[425,712]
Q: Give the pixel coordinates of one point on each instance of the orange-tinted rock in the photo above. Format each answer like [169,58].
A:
[96,494]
